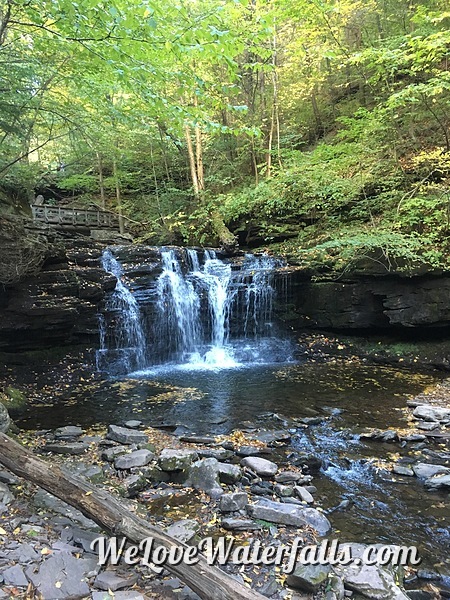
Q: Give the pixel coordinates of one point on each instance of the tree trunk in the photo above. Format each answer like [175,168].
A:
[118,197]
[96,504]
[190,149]
[101,180]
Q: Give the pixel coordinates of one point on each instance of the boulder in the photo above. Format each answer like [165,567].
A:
[308,577]
[229,474]
[439,482]
[427,412]
[176,460]
[289,514]
[203,475]
[261,466]
[139,458]
[425,471]
[123,435]
[233,502]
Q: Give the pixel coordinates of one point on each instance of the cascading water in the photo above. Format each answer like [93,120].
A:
[204,312]
[126,340]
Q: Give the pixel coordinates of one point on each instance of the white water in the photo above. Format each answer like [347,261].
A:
[129,337]
[206,313]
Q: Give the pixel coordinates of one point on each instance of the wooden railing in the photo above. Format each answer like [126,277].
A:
[73,216]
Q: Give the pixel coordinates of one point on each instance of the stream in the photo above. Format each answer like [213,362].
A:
[189,369]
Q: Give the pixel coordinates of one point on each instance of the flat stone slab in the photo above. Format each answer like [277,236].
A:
[438,482]
[427,412]
[240,524]
[289,514]
[123,435]
[109,580]
[425,470]
[69,431]
[15,576]
[261,466]
[308,578]
[65,447]
[184,530]
[124,595]
[62,576]
[139,458]
[133,424]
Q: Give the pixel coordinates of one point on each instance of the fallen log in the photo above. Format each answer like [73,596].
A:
[207,581]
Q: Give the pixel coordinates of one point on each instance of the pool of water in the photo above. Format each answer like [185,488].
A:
[382,508]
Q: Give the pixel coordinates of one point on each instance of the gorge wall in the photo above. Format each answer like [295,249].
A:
[59,305]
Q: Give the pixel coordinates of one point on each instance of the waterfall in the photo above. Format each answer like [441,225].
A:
[127,338]
[202,311]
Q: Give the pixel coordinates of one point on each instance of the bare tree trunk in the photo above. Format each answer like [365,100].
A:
[96,504]
[192,165]
[118,197]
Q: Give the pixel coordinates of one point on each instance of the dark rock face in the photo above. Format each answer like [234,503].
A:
[377,302]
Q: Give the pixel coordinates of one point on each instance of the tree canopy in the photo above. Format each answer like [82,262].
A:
[319,128]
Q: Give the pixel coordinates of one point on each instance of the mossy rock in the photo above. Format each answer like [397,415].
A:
[13,399]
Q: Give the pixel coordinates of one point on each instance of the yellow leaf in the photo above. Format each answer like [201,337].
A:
[2,531]
[88,493]
[46,551]
[58,584]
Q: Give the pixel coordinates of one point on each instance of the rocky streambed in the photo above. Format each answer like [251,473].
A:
[250,485]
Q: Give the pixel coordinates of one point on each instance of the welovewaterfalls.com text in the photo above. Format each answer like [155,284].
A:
[220,551]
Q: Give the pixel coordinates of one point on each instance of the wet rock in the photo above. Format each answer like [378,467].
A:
[6,496]
[233,502]
[272,437]
[261,466]
[184,530]
[420,595]
[287,476]
[73,448]
[303,494]
[229,474]
[109,580]
[138,458]
[427,412]
[133,424]
[176,460]
[204,475]
[15,576]
[401,470]
[269,588]
[5,421]
[381,436]
[308,577]
[123,435]
[310,461]
[438,482]
[289,514]
[233,524]
[425,471]
[62,576]
[68,432]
